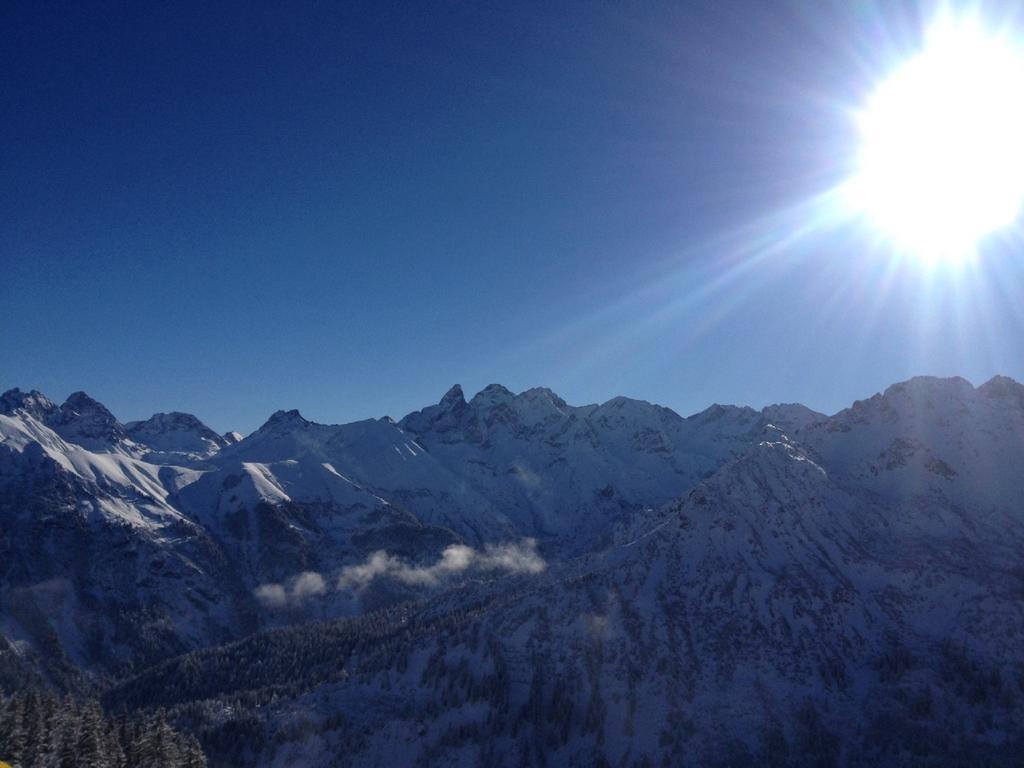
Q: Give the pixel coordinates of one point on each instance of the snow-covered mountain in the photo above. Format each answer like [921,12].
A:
[934,441]
[100,569]
[208,521]
[740,585]
[176,436]
[778,613]
[574,475]
[377,455]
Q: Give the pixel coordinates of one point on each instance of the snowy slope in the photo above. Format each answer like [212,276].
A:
[706,577]
[200,539]
[174,437]
[125,488]
[100,569]
[87,422]
[380,457]
[278,520]
[935,445]
[772,616]
[574,474]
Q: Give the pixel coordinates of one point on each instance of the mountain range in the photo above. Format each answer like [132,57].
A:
[512,580]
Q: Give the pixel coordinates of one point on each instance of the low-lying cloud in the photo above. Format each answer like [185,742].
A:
[512,557]
[307,584]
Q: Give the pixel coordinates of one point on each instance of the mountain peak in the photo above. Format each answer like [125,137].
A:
[543,393]
[169,420]
[717,411]
[497,389]
[175,432]
[791,417]
[33,403]
[444,416]
[286,419]
[82,400]
[453,397]
[931,385]
[86,421]
[1003,388]
[492,393]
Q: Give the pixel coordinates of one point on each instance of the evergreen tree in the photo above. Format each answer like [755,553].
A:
[67,755]
[12,732]
[194,757]
[40,731]
[91,743]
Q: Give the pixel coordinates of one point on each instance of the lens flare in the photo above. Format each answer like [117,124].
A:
[942,144]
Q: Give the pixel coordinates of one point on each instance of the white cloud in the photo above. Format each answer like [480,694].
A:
[518,558]
[456,559]
[377,564]
[307,584]
[272,595]
[511,557]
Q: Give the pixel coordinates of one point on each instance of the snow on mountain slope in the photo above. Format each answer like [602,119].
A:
[772,616]
[122,487]
[100,570]
[88,423]
[817,535]
[378,456]
[175,436]
[573,474]
[500,467]
[791,417]
[278,520]
[34,404]
[938,444]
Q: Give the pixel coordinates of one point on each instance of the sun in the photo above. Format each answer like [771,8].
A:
[941,162]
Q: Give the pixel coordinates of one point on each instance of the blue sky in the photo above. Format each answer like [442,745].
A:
[229,210]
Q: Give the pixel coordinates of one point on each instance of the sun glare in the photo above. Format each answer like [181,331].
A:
[941,163]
